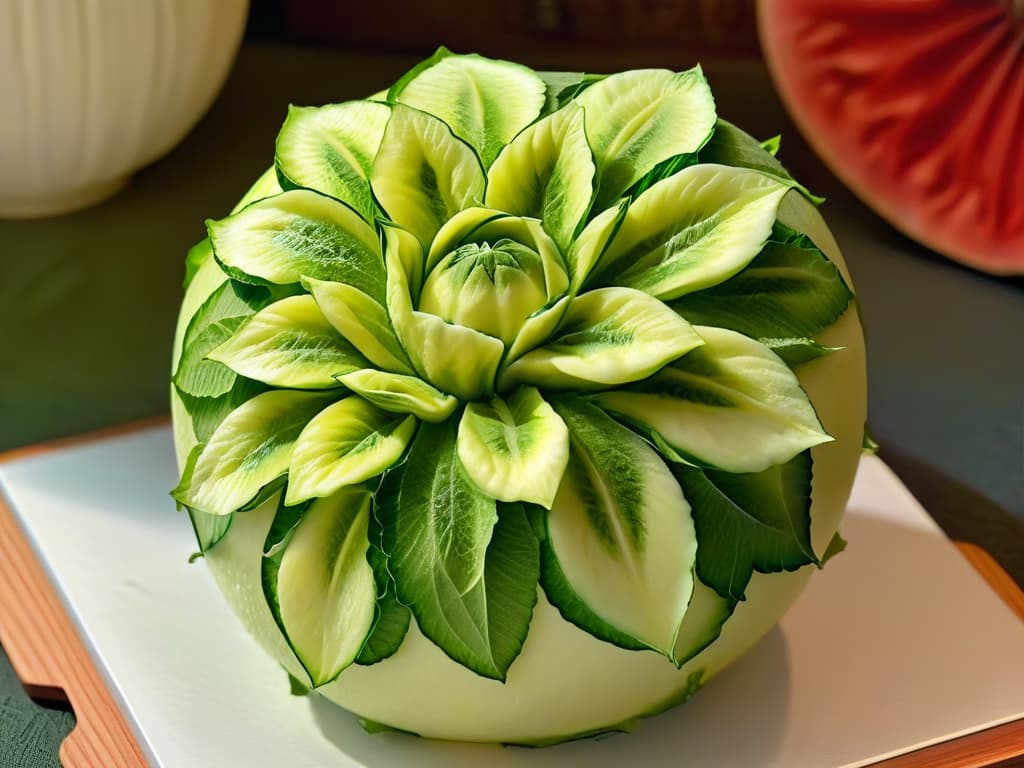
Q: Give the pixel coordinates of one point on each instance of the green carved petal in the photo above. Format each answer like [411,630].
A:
[396,393]
[749,521]
[298,234]
[457,360]
[331,149]
[547,172]
[587,249]
[514,449]
[423,175]
[705,616]
[692,230]
[361,320]
[537,329]
[345,444]
[213,324]
[730,145]
[795,351]
[608,337]
[637,119]
[620,530]
[251,448]
[290,344]
[403,263]
[790,290]
[442,522]
[325,587]
[486,102]
[731,404]
[389,630]
[457,231]
[466,566]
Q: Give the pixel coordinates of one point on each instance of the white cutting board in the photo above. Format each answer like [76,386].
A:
[897,644]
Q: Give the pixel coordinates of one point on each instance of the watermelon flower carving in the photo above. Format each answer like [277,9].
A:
[501,328]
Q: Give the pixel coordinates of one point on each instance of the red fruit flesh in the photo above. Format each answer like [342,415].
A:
[918,106]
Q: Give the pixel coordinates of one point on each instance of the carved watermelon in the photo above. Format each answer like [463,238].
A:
[918,106]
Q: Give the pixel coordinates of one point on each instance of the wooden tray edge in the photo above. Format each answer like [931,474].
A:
[48,655]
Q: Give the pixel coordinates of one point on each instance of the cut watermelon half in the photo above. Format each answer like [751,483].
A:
[918,106]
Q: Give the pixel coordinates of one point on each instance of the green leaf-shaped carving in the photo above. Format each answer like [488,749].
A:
[346,443]
[789,291]
[363,321]
[750,521]
[389,630]
[401,394]
[298,234]
[331,149]
[514,449]
[609,336]
[485,102]
[730,145]
[637,119]
[547,172]
[213,324]
[251,448]
[692,230]
[325,586]
[290,344]
[731,404]
[467,569]
[620,531]
[705,616]
[423,174]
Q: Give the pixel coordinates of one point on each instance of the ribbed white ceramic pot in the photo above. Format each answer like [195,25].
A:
[93,90]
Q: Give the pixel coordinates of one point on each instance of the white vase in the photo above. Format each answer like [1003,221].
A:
[93,90]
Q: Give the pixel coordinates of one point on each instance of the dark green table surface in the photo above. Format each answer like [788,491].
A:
[88,304]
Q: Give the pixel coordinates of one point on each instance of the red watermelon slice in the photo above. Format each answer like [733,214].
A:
[918,106]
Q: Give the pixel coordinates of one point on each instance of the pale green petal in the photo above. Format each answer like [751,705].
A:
[346,443]
[732,404]
[537,329]
[423,175]
[361,320]
[456,360]
[547,172]
[514,449]
[251,447]
[486,102]
[401,394]
[457,231]
[401,249]
[299,234]
[325,586]
[639,118]
[693,230]
[619,533]
[608,337]
[331,149]
[290,344]
[586,250]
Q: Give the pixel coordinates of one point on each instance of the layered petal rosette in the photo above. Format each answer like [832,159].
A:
[497,328]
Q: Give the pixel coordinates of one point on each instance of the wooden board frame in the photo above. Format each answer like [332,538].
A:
[48,654]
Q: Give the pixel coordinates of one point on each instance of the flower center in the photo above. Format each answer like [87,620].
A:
[490,287]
